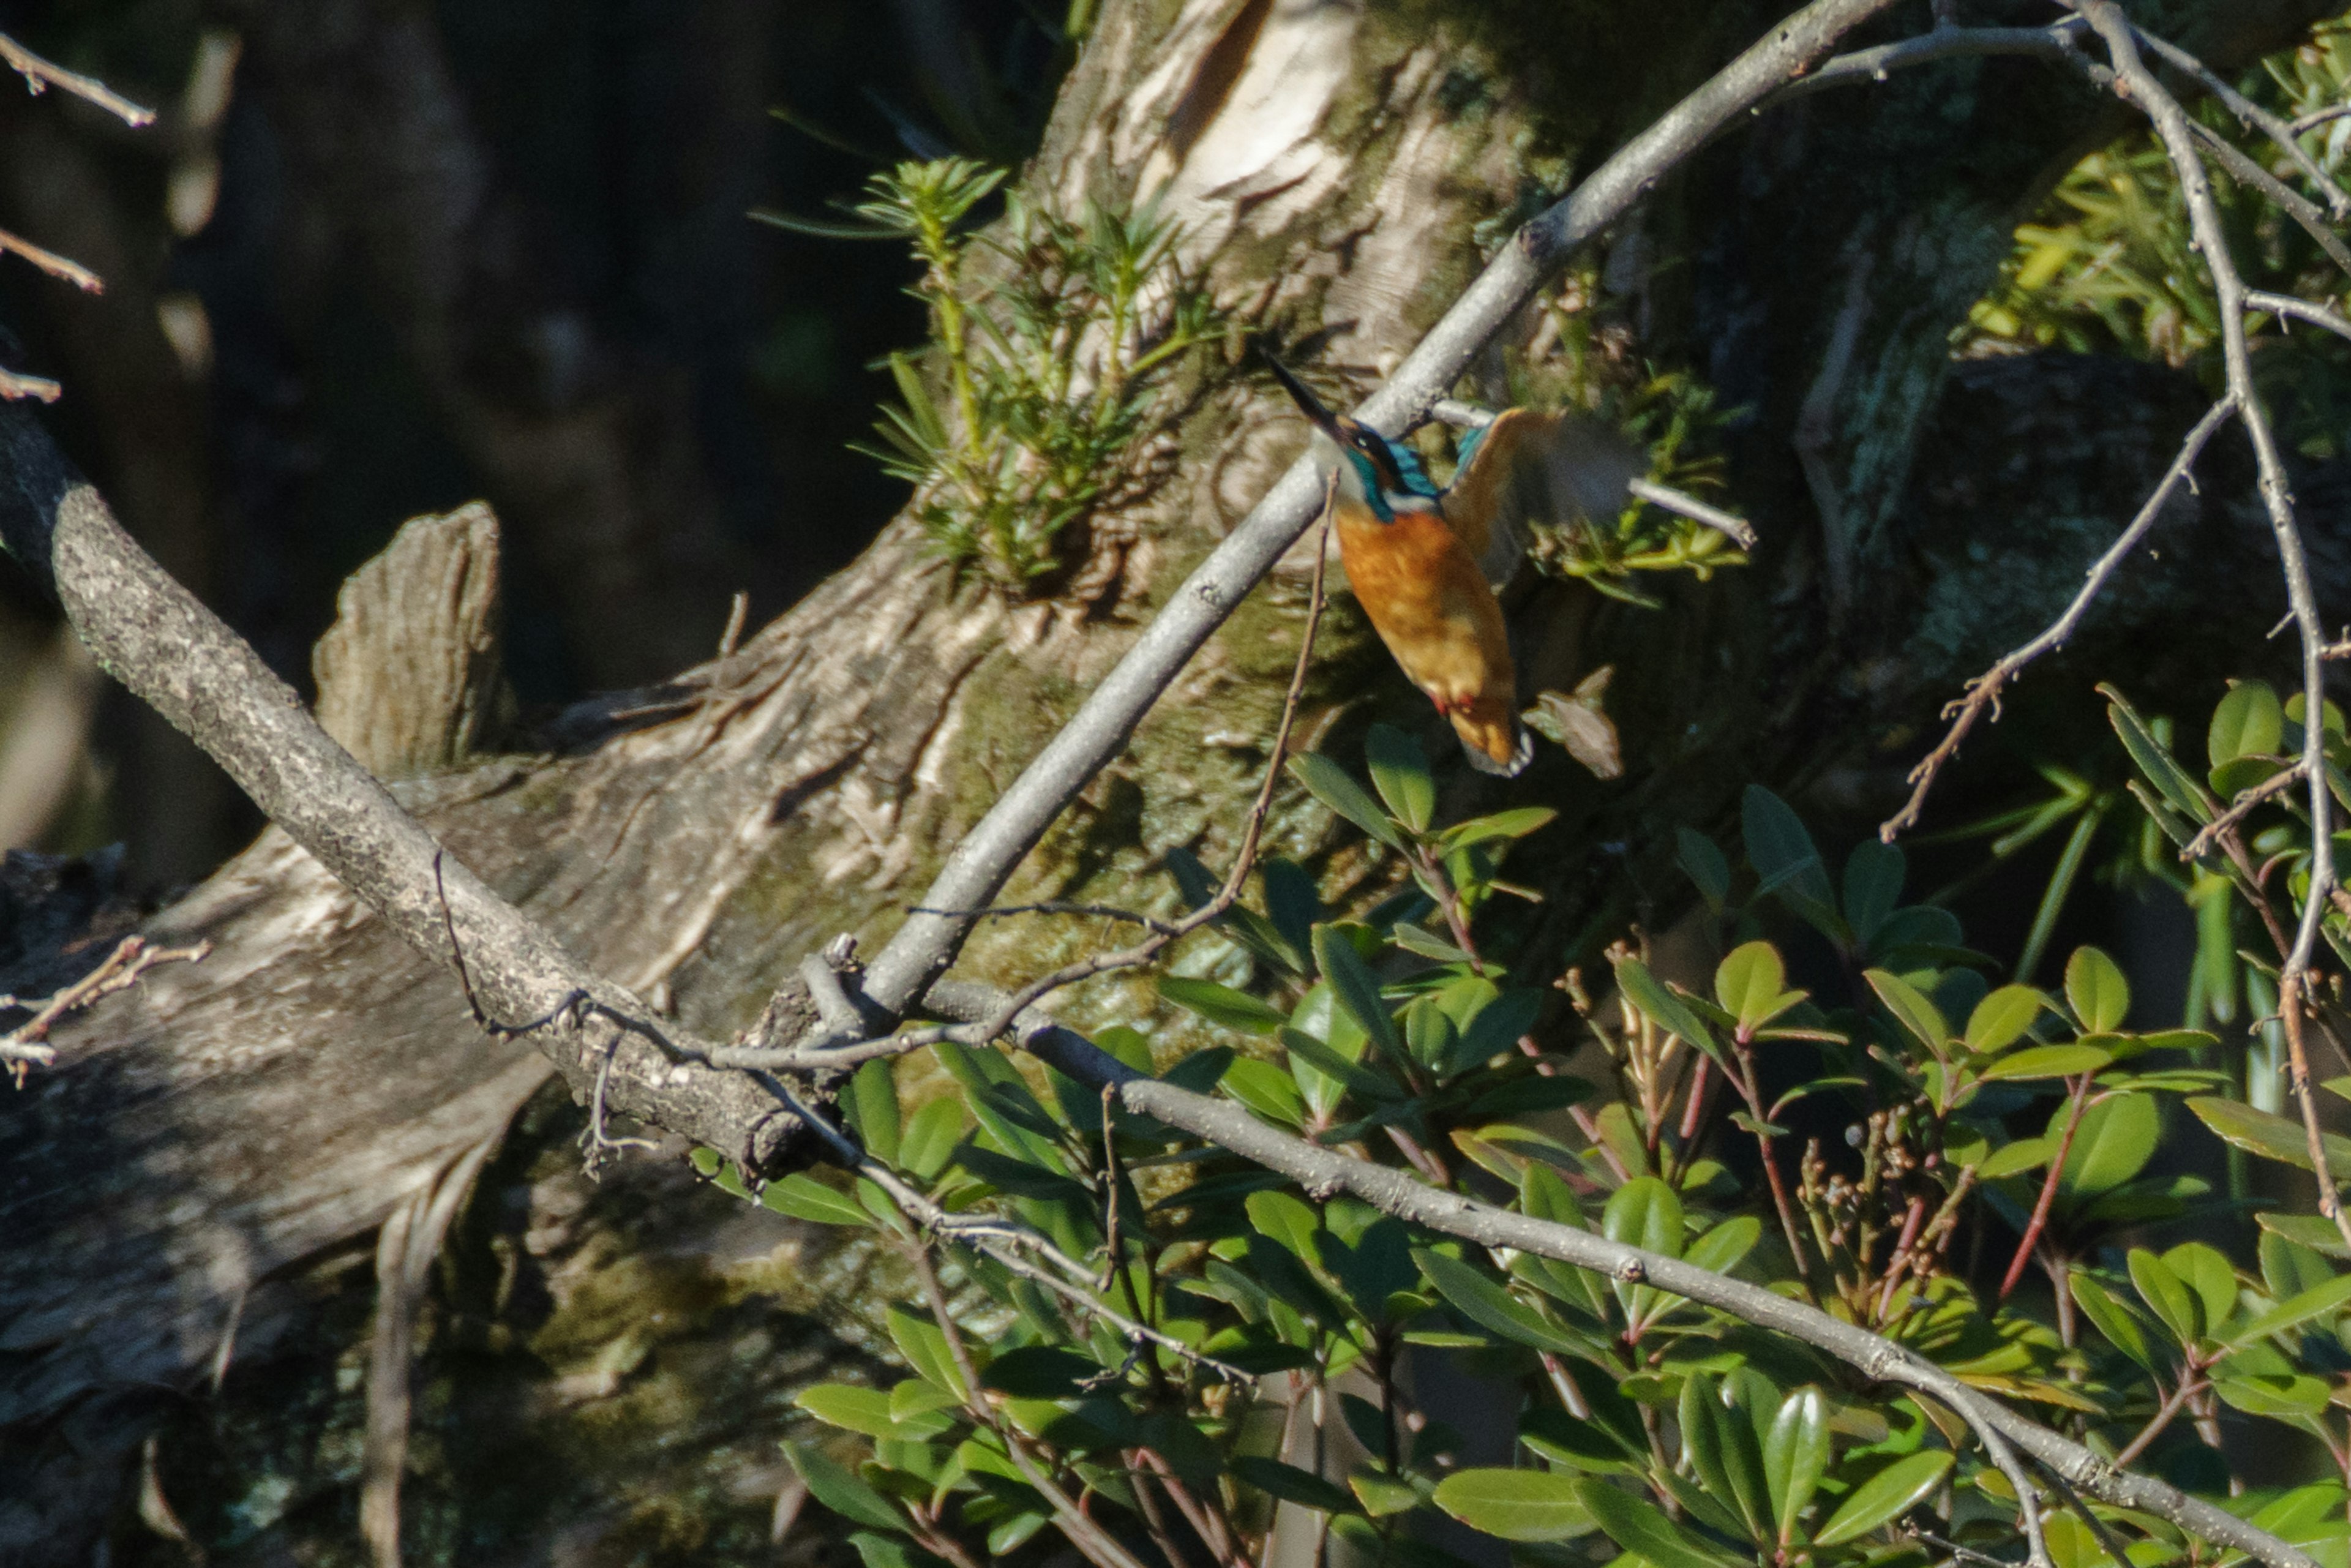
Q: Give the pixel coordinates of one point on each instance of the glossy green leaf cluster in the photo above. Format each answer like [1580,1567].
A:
[1057,345]
[1838,1101]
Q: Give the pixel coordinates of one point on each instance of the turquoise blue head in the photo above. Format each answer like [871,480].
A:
[1373,470]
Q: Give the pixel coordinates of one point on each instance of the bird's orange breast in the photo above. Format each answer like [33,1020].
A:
[1429,604]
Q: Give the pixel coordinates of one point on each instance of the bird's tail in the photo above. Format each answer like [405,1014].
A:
[1494,739]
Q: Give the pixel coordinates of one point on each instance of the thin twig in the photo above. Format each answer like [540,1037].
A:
[2276,784]
[1983,692]
[61,268]
[1739,530]
[1059,907]
[1091,1539]
[40,76]
[2318,117]
[21,1047]
[1945,43]
[2034,1226]
[2287,305]
[737,608]
[15,384]
[2171,1406]
[2253,117]
[2302,211]
[999,1240]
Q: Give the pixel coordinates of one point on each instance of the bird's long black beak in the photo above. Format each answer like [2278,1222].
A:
[1307,403]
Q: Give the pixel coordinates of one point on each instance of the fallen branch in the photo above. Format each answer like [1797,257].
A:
[158,640]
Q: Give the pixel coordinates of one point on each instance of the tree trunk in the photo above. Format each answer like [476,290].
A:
[205,1133]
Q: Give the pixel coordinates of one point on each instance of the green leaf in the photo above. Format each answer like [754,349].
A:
[1910,1008]
[1705,866]
[2113,1317]
[871,1106]
[2210,1277]
[2271,1136]
[925,1350]
[2114,1143]
[1516,1505]
[1645,1213]
[2314,1231]
[2016,1157]
[1635,1524]
[1885,1496]
[888,1552]
[2166,1296]
[1720,1249]
[931,1137]
[1592,1447]
[803,1197]
[1873,886]
[2099,995]
[1221,1005]
[2047,1061]
[1009,1535]
[1356,990]
[1784,855]
[1039,1372]
[1400,773]
[1667,1010]
[843,1491]
[1721,1443]
[1291,1484]
[2290,1268]
[2182,793]
[2297,1397]
[1795,1456]
[847,1406]
[1751,984]
[2292,1313]
[1286,1219]
[2001,1020]
[2249,721]
[1489,1306]
[1264,1088]
[1512,824]
[1381,1494]
[1327,782]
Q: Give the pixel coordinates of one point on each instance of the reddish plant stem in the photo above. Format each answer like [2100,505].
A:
[2031,1236]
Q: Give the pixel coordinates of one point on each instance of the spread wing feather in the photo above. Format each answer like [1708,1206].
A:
[1528,467]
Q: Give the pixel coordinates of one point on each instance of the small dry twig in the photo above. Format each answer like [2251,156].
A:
[21,1049]
[41,75]
[14,385]
[61,268]
[1983,692]
[2239,809]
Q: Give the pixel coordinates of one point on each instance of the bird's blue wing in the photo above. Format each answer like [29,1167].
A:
[1527,468]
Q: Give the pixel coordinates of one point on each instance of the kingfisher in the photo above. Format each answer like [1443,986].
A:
[1425,563]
